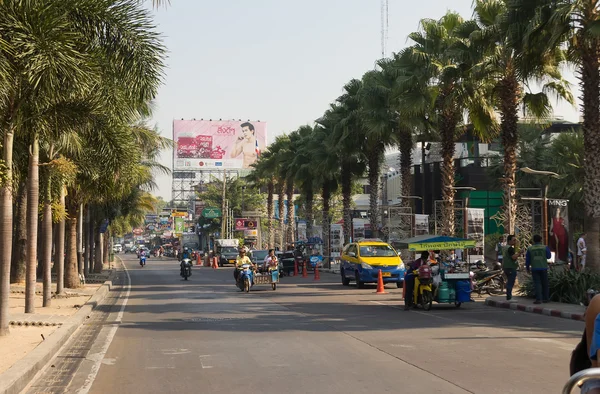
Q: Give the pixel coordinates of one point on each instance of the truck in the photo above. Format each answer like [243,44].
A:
[226,250]
[190,241]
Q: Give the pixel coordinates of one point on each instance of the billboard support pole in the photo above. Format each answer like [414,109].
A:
[223,210]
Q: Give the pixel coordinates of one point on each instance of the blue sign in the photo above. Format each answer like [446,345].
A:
[104,226]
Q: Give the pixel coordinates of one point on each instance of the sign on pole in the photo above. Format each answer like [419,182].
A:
[251,214]
[211,213]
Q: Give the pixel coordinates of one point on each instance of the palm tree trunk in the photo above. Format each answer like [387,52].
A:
[280,208]
[105,256]
[448,129]
[310,202]
[270,191]
[86,241]
[47,245]
[80,241]
[71,272]
[92,254]
[98,249]
[374,162]
[590,82]
[19,255]
[59,249]
[326,196]
[289,191]
[509,92]
[405,147]
[33,198]
[346,202]
[6,218]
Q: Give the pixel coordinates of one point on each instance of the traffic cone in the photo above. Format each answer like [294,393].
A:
[380,288]
[317,275]
[304,270]
[295,268]
[215,265]
[198,260]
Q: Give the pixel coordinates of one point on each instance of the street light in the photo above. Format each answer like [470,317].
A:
[530,171]
[415,198]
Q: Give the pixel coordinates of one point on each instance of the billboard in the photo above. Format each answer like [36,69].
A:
[214,145]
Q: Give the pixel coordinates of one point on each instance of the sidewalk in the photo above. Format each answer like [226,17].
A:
[35,337]
[556,309]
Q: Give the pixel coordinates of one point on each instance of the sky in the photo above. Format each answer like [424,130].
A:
[277,61]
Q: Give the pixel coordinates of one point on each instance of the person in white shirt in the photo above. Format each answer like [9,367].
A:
[581,252]
[270,262]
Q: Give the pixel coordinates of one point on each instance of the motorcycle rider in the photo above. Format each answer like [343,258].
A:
[409,279]
[184,255]
[240,261]
[143,256]
[270,262]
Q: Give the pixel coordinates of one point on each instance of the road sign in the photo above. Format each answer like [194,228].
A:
[179,214]
[251,214]
[211,213]
[250,233]
[245,224]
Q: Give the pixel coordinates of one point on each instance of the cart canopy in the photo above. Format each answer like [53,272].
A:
[434,242]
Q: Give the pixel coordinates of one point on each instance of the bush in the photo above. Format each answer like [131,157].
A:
[565,286]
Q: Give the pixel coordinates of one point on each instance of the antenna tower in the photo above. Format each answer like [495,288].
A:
[385,24]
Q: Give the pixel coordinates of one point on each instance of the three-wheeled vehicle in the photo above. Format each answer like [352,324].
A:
[444,283]
[248,278]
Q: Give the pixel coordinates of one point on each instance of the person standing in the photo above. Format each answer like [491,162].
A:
[581,252]
[510,254]
[536,263]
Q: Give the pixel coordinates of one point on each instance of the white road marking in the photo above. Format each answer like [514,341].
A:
[163,367]
[412,311]
[98,357]
[175,352]
[205,366]
[561,345]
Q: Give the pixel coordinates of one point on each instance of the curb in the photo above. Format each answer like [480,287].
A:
[535,309]
[16,378]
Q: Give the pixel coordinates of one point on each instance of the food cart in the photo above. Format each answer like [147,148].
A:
[451,281]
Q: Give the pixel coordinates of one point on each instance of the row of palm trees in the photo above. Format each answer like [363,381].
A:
[76,82]
[483,72]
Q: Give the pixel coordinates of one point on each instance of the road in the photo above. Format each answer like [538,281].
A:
[204,336]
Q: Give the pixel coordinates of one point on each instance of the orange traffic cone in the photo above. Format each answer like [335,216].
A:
[304,271]
[380,288]
[215,264]
[295,268]
[317,275]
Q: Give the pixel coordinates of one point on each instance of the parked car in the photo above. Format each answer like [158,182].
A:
[117,248]
[362,261]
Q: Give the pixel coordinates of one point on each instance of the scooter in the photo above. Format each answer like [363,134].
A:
[491,282]
[143,261]
[245,277]
[423,293]
[186,268]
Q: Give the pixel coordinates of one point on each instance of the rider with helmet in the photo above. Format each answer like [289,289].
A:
[184,255]
[240,261]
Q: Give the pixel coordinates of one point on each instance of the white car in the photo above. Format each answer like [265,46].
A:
[117,248]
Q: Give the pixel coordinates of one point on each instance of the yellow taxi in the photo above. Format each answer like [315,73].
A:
[362,260]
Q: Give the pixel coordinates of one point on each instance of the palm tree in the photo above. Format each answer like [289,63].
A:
[304,173]
[379,118]
[537,30]
[347,141]
[439,52]
[262,175]
[502,65]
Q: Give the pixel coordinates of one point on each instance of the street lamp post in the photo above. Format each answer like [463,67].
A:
[528,170]
[416,198]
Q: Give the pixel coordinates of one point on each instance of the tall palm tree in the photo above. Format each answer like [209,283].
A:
[262,175]
[304,173]
[379,120]
[538,29]
[349,135]
[502,65]
[439,52]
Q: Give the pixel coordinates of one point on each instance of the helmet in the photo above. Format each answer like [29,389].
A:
[185,249]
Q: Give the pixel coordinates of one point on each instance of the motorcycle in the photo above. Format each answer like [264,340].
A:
[245,277]
[423,293]
[186,269]
[143,261]
[488,281]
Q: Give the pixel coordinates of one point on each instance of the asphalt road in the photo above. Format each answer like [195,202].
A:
[205,336]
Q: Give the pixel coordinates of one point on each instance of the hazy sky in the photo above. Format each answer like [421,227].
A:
[277,61]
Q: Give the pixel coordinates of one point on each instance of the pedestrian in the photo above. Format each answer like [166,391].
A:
[536,263]
[500,248]
[581,252]
[510,254]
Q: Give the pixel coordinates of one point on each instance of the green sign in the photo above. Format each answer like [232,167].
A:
[211,213]
[179,225]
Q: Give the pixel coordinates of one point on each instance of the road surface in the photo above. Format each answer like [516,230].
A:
[205,336]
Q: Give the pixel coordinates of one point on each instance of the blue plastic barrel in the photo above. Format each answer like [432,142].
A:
[463,291]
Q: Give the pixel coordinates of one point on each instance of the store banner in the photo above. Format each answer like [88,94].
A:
[358,227]
[421,225]
[301,229]
[179,224]
[475,226]
[558,229]
[336,240]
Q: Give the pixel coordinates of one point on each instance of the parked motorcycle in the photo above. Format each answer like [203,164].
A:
[488,281]
[245,277]
[186,268]
[423,293]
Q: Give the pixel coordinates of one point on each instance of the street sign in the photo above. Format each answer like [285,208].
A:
[179,214]
[211,213]
[104,226]
[251,214]
[245,224]
[250,233]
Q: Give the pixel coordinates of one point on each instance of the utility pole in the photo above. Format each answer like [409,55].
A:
[224,206]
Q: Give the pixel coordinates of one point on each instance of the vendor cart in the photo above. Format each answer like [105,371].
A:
[451,283]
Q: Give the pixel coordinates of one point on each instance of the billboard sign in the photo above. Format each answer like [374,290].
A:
[211,213]
[245,224]
[206,145]
[179,224]
[475,226]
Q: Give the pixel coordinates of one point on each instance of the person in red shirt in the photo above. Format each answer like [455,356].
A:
[409,279]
